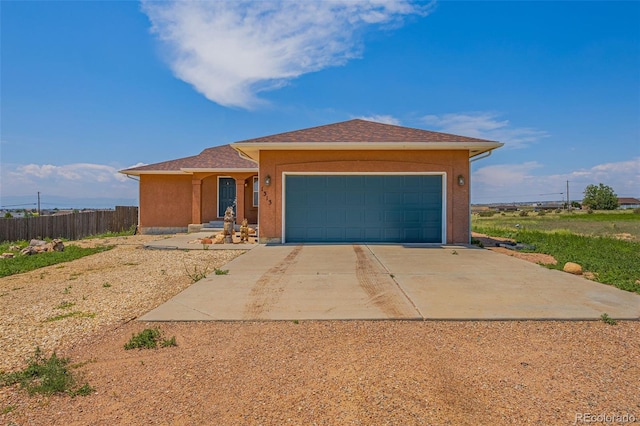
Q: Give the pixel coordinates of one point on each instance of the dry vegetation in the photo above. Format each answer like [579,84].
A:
[273,373]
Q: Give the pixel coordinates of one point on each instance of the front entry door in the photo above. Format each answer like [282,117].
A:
[226,195]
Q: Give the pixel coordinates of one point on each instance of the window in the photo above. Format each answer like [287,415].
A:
[256,191]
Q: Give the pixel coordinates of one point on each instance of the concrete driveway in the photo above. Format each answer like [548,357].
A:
[329,282]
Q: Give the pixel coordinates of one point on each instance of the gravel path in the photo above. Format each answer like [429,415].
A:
[326,373]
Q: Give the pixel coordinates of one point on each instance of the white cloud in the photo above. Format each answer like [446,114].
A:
[79,180]
[485,125]
[232,50]
[521,182]
[386,119]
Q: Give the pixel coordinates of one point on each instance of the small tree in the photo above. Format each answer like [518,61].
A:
[601,197]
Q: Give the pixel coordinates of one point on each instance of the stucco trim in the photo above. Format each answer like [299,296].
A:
[443,231]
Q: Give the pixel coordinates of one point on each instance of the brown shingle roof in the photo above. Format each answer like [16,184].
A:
[219,157]
[358,130]
[628,200]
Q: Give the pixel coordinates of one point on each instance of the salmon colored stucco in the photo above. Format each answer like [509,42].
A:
[275,163]
[167,201]
[174,201]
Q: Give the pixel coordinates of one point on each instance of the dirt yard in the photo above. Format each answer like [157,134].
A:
[273,373]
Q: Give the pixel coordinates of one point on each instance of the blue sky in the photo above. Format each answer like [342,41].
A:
[90,88]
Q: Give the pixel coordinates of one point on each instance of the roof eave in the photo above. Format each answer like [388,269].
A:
[188,171]
[251,150]
[219,170]
[151,172]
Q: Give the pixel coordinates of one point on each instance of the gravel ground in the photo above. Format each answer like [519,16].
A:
[272,373]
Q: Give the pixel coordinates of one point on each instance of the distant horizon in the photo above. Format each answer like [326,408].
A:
[63,203]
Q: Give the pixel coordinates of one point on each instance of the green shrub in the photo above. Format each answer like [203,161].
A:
[149,339]
[607,319]
[523,213]
[636,211]
[46,376]
[486,213]
[197,274]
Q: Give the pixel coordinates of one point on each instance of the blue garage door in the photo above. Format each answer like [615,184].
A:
[363,208]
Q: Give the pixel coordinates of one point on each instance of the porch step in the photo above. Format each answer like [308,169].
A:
[218,225]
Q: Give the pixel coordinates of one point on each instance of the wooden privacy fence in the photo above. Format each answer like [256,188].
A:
[71,226]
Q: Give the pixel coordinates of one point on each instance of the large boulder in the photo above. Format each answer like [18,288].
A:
[572,268]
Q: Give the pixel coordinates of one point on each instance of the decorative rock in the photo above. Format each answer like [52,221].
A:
[28,251]
[14,248]
[6,255]
[572,268]
[244,231]
[229,225]
[55,245]
[37,243]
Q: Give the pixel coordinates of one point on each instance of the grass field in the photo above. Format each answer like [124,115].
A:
[606,244]
[615,224]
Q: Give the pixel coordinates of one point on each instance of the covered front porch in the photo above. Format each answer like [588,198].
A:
[213,192]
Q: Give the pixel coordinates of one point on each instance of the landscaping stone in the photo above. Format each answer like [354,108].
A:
[28,251]
[572,268]
[6,255]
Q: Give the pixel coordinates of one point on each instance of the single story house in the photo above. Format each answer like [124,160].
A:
[353,181]
[628,203]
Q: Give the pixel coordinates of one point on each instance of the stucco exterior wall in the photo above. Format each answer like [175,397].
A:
[165,202]
[210,198]
[453,163]
[251,211]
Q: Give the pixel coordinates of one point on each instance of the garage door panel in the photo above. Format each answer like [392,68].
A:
[316,216]
[337,198]
[335,234]
[373,218]
[354,234]
[315,183]
[373,234]
[393,217]
[337,216]
[355,183]
[363,208]
[393,199]
[411,217]
[392,183]
[355,215]
[355,199]
[373,199]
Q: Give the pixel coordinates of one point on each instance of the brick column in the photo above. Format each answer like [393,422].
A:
[196,201]
[239,199]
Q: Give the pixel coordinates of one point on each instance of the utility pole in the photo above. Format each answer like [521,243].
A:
[568,199]
[38,203]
